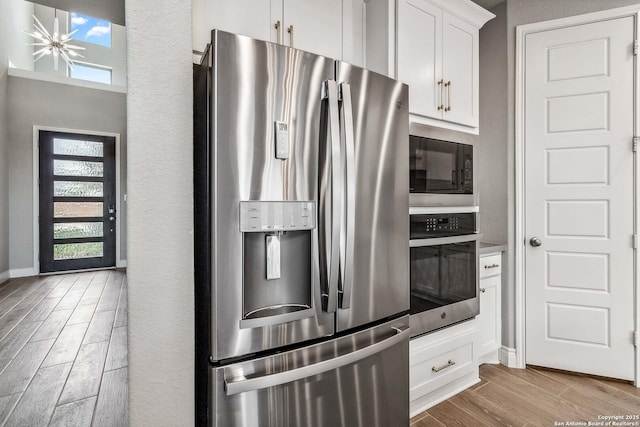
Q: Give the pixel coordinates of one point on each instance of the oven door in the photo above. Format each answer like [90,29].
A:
[444,282]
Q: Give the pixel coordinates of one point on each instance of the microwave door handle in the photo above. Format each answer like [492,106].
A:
[242,385]
[347,234]
[329,193]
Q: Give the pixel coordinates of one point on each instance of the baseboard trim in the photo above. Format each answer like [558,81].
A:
[508,357]
[4,276]
[22,272]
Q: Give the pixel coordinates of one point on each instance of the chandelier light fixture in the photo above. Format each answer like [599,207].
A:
[54,44]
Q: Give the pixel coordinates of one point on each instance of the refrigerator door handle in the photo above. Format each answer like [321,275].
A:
[329,246]
[349,209]
[241,384]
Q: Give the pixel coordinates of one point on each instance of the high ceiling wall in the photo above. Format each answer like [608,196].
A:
[111,10]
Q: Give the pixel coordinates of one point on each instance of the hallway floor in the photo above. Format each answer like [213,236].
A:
[63,350]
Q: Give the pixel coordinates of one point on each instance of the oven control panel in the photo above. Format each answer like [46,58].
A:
[424,226]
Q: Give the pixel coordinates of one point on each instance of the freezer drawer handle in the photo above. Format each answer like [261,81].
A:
[241,385]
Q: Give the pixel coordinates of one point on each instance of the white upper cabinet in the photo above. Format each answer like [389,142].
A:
[437,51]
[460,71]
[315,26]
[311,25]
[253,18]
[420,55]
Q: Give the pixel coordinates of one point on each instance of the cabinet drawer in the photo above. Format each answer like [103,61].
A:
[490,265]
[440,365]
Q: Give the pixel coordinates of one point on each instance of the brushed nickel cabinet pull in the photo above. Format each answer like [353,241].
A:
[448,86]
[441,84]
[492,266]
[290,31]
[449,363]
[278,28]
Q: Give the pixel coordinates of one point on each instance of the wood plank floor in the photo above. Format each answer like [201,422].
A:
[63,350]
[534,397]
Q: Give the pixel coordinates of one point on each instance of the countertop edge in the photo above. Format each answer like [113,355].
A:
[488,247]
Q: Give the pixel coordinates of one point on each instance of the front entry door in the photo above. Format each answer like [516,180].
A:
[579,120]
[77,201]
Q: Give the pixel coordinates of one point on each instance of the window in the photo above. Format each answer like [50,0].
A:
[91,30]
[90,73]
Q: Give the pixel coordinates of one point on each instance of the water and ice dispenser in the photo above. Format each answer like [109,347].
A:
[277,254]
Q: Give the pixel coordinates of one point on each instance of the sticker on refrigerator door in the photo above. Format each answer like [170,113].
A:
[273,257]
[282,140]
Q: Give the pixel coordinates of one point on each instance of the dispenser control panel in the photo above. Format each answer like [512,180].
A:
[277,216]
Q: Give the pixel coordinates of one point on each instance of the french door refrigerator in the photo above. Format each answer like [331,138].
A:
[301,239]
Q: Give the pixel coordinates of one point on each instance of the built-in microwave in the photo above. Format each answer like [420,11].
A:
[442,167]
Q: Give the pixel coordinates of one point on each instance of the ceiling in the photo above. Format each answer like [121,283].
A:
[111,10]
[488,4]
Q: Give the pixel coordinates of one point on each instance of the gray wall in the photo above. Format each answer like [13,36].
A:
[111,10]
[510,15]
[160,264]
[38,103]
[15,19]
[5,36]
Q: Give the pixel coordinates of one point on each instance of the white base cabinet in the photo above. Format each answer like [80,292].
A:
[489,320]
[442,364]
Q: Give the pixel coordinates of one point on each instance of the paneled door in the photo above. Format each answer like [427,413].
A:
[579,203]
[77,201]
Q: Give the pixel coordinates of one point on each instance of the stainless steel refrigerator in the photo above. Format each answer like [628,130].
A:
[301,239]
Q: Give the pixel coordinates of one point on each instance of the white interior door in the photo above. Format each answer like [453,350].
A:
[579,124]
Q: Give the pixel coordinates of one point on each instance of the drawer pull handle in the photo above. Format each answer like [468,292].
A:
[449,363]
[492,266]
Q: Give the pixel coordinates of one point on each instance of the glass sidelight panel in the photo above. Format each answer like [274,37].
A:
[77,189]
[77,209]
[73,230]
[77,250]
[77,168]
[70,147]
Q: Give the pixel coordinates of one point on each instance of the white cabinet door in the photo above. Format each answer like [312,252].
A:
[419,55]
[460,71]
[314,26]
[489,338]
[253,18]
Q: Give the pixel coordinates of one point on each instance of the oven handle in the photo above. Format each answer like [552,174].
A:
[417,243]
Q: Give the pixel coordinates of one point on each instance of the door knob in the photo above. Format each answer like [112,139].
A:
[535,241]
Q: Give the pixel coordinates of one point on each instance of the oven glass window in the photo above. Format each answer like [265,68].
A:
[442,275]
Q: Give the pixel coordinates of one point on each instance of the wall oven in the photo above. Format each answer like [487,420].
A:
[442,167]
[444,267]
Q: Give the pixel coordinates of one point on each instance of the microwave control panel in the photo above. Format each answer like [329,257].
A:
[425,226]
